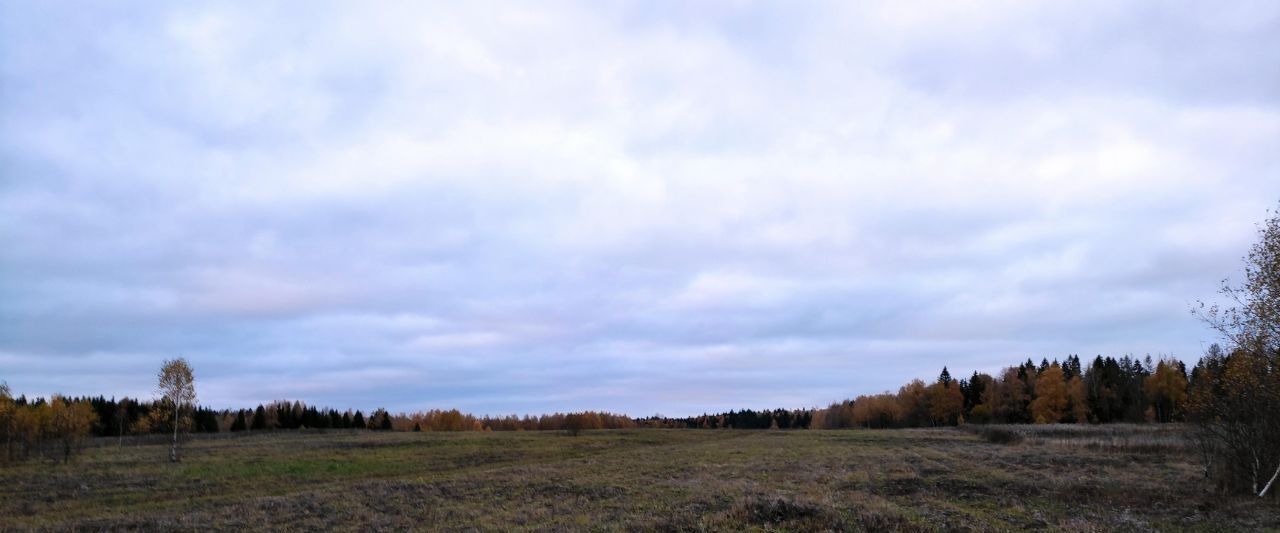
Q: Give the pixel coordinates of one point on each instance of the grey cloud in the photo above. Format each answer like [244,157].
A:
[615,207]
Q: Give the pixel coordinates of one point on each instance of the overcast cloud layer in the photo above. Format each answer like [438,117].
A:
[655,207]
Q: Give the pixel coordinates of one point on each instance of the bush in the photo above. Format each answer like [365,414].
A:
[1001,436]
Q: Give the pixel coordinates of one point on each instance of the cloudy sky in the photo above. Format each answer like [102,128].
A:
[667,207]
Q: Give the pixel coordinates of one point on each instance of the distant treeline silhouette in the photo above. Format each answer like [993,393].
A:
[744,419]
[1108,390]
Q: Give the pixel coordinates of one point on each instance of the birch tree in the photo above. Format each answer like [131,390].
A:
[1236,402]
[177,388]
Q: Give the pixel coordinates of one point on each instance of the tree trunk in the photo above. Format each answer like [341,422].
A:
[1256,467]
[173,449]
[1273,480]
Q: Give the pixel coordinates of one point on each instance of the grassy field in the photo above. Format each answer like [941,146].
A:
[1135,478]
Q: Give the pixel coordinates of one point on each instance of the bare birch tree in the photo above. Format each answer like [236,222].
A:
[122,418]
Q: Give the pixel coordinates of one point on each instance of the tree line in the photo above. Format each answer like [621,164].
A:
[744,419]
[1107,390]
[55,428]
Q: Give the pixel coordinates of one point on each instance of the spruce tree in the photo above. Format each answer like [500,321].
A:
[259,419]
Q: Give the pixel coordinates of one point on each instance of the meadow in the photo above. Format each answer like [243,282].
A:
[1072,478]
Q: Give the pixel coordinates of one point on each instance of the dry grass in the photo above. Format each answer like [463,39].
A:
[1131,438]
[642,480]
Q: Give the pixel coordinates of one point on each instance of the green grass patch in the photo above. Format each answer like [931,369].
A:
[293,469]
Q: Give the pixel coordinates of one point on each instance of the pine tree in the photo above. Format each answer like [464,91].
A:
[973,390]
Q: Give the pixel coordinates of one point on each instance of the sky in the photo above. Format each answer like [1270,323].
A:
[649,207]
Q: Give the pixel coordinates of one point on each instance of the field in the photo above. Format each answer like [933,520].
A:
[1064,478]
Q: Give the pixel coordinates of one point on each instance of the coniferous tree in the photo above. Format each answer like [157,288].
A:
[259,419]
[973,390]
[1071,367]
[206,420]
